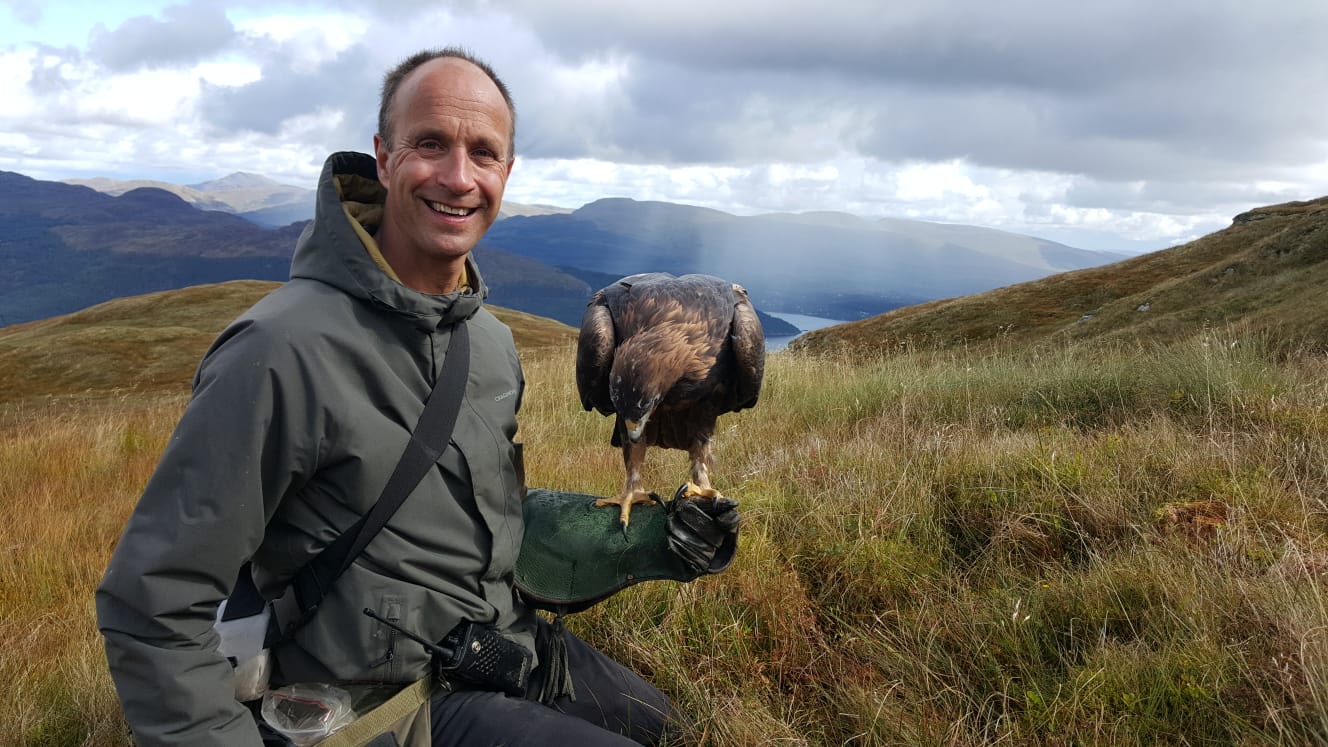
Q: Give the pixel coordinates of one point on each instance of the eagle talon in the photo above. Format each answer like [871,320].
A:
[696,492]
[625,501]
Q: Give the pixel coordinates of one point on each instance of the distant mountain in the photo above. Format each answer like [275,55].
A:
[251,196]
[117,187]
[243,182]
[510,209]
[64,247]
[258,198]
[1266,274]
[824,264]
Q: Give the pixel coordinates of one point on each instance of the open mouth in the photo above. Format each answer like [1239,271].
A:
[442,209]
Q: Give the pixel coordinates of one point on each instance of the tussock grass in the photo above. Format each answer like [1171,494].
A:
[69,475]
[1122,545]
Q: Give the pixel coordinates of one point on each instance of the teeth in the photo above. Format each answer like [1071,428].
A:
[446,210]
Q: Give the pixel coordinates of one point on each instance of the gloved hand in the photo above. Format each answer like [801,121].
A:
[704,533]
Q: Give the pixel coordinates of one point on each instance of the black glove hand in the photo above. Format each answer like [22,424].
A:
[704,533]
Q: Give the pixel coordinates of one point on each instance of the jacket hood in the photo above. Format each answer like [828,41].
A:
[331,251]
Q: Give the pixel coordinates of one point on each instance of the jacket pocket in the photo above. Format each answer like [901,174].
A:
[385,638]
[341,643]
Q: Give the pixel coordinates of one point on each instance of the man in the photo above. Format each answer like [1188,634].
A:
[300,411]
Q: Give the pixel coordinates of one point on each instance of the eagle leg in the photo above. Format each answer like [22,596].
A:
[702,458]
[634,456]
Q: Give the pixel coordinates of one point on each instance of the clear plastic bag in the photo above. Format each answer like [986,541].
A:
[306,713]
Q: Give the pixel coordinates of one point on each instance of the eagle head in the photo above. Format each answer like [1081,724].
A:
[634,409]
[635,394]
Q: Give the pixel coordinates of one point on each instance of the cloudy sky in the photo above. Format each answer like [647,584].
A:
[1109,124]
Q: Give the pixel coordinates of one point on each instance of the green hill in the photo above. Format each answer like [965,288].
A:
[1100,544]
[1265,273]
[152,343]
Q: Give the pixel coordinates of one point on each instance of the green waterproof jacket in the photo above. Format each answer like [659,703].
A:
[300,411]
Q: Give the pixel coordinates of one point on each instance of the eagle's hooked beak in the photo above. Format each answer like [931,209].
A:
[635,428]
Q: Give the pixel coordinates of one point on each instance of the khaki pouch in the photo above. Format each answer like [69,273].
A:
[401,721]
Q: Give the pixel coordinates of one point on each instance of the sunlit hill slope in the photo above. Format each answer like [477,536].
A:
[153,342]
[1118,545]
[1265,273]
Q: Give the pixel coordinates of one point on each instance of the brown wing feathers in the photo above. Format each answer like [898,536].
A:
[748,340]
[673,327]
[594,355]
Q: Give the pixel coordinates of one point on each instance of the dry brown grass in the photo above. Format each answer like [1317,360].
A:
[938,548]
[87,404]
[149,344]
[972,550]
[69,476]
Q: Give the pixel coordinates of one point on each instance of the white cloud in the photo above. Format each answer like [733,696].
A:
[936,181]
[1120,122]
[231,73]
[307,41]
[20,105]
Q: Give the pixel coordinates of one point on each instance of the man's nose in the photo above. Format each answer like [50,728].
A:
[456,172]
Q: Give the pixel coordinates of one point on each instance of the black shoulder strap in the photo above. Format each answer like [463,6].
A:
[427,443]
[430,438]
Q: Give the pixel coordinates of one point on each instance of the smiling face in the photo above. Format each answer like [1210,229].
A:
[444,162]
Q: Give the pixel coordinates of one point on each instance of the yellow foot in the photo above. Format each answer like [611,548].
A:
[626,501]
[694,491]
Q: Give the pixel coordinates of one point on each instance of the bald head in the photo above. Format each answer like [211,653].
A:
[397,77]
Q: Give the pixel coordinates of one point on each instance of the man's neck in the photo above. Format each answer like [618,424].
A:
[436,277]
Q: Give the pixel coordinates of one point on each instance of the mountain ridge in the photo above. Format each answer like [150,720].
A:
[259,199]
[822,264]
[73,246]
[1265,273]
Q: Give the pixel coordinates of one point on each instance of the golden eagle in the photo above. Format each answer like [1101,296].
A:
[668,355]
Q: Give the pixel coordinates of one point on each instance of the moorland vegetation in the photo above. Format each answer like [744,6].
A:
[1109,541]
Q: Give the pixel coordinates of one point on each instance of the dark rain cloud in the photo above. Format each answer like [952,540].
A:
[1126,105]
[1109,90]
[344,86]
[184,34]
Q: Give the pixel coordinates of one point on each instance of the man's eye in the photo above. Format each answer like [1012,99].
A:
[429,145]
[484,153]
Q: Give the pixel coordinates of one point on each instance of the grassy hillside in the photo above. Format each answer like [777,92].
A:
[152,343]
[1072,544]
[1266,273]
[1108,547]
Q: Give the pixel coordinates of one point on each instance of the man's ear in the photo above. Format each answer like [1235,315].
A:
[381,154]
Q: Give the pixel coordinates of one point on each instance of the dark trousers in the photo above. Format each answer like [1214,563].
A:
[613,706]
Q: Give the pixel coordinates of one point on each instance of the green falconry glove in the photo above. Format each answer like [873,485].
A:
[575,554]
